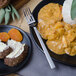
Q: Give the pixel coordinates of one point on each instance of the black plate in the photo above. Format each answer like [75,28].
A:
[4,69]
[66,59]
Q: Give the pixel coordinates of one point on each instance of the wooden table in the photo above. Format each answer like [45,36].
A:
[22,22]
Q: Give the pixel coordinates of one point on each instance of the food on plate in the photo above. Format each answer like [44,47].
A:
[55,46]
[60,36]
[4,36]
[48,15]
[4,3]
[11,49]
[17,55]
[4,50]
[15,34]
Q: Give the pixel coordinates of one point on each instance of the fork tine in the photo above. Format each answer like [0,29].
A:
[26,14]
[31,14]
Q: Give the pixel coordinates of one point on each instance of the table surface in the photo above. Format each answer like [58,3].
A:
[22,22]
[38,65]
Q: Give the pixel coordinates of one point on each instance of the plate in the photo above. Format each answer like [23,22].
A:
[4,69]
[65,59]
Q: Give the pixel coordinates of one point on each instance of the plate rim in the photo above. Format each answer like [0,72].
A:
[29,55]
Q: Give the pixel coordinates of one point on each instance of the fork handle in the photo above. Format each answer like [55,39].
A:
[48,57]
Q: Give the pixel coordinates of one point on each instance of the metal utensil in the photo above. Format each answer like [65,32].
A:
[31,21]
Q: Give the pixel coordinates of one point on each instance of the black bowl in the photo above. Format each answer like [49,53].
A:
[66,59]
[4,69]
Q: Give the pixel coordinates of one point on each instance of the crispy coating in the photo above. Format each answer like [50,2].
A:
[60,36]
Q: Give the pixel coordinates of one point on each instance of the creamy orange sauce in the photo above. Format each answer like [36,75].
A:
[60,36]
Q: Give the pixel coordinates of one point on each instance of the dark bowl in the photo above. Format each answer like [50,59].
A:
[65,59]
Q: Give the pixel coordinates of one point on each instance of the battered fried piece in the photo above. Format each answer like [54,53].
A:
[60,36]
[15,34]
[5,53]
[4,36]
[56,46]
[14,61]
[50,14]
[47,18]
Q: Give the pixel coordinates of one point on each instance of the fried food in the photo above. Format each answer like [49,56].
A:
[60,36]
[55,46]
[50,14]
[47,17]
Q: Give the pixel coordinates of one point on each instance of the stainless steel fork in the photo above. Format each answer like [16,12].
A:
[31,21]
